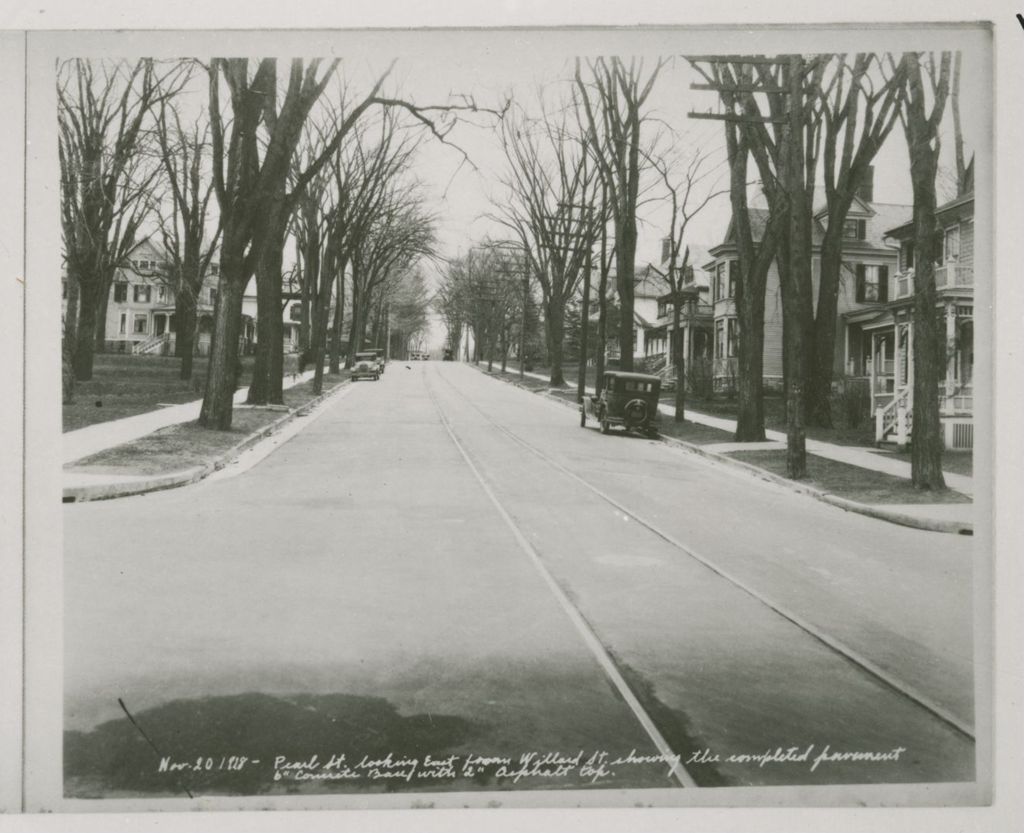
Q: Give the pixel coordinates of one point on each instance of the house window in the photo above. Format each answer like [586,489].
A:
[213,295]
[120,293]
[123,328]
[951,244]
[688,275]
[732,337]
[140,324]
[855,229]
[295,312]
[872,284]
[666,249]
[213,268]
[907,255]
[161,294]
[733,269]
[142,293]
[720,281]
[719,339]
[662,308]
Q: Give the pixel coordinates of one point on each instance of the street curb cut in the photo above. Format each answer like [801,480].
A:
[157,483]
[928,524]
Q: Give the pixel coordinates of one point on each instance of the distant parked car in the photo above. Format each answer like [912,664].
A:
[364,366]
[381,361]
[448,355]
[626,399]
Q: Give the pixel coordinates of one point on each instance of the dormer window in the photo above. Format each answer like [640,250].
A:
[855,229]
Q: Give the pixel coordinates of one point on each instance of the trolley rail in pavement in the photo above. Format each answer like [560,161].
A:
[590,638]
[849,654]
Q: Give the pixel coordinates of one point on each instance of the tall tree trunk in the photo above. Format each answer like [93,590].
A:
[184,339]
[224,364]
[819,382]
[602,324]
[555,325]
[339,315]
[750,363]
[796,282]
[927,442]
[268,373]
[355,336]
[625,254]
[677,359]
[102,303]
[85,335]
[68,342]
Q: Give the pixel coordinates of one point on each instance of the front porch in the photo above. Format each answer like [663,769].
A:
[887,343]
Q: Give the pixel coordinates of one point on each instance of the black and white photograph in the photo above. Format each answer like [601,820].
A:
[509,418]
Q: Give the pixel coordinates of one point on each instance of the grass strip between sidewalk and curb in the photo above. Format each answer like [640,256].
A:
[842,485]
[185,453]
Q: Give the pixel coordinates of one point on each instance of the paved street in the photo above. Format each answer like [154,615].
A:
[444,564]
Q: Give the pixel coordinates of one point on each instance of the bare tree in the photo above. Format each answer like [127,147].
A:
[613,98]
[734,81]
[689,193]
[859,112]
[926,84]
[184,229]
[106,182]
[551,208]
[400,233]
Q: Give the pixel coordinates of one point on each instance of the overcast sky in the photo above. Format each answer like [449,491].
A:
[490,65]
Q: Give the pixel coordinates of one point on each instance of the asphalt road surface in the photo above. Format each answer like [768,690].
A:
[444,583]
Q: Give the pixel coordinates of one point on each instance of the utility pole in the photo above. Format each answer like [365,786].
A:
[785,90]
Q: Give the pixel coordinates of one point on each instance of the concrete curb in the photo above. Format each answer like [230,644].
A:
[161,482]
[929,524]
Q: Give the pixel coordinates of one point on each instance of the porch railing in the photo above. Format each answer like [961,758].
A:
[896,418]
[950,274]
[150,345]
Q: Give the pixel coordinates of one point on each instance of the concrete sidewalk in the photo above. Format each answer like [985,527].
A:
[103,435]
[947,517]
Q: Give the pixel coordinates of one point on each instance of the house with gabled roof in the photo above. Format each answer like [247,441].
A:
[869,261]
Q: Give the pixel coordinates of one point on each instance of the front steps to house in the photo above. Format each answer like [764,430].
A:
[894,425]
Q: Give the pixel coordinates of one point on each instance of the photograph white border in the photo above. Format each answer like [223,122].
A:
[1006,394]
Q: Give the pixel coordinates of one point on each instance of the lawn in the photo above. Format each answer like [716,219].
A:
[125,385]
[851,482]
[179,447]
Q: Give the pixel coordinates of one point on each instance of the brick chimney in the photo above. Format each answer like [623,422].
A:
[866,186]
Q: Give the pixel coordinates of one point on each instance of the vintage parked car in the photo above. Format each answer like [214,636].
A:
[365,366]
[626,399]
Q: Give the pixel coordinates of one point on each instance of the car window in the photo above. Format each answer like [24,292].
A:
[634,385]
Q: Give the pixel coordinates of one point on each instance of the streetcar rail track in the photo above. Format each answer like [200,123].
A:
[589,636]
[849,654]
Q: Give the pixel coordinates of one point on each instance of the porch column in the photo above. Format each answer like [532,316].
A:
[875,409]
[872,358]
[910,357]
[950,350]
[897,364]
